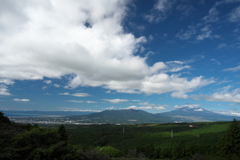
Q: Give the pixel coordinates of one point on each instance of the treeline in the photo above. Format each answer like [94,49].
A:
[31,142]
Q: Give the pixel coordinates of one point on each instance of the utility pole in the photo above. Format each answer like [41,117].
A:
[172,134]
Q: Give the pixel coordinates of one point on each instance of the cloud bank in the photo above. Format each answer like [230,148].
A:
[146,108]
[84,39]
[225,95]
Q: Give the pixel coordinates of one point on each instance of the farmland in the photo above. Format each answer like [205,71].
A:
[206,133]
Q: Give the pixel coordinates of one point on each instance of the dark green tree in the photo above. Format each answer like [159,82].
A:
[163,153]
[177,151]
[229,143]
[157,153]
[149,151]
[196,156]
[213,150]
[63,133]
[35,126]
[188,150]
[4,119]
[140,149]
[28,126]
[25,143]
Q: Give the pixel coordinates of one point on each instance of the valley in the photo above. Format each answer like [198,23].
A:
[127,116]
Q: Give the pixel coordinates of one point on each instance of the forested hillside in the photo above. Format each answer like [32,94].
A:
[205,140]
[27,142]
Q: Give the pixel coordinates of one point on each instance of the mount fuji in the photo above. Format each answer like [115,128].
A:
[186,113]
[198,114]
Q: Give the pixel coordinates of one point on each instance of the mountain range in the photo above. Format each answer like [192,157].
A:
[198,114]
[127,116]
[130,116]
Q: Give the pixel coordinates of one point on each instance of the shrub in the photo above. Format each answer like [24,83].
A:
[109,150]
[196,156]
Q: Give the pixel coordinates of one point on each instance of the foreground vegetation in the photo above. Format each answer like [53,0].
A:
[215,140]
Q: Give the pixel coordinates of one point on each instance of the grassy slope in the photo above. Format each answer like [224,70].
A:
[158,134]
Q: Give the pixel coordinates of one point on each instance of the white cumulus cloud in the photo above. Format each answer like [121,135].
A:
[135,107]
[75,101]
[47,81]
[4,90]
[116,100]
[81,94]
[21,100]
[6,81]
[225,96]
[91,102]
[75,94]
[180,95]
[84,39]
[63,93]
[234,69]
[110,108]
[56,85]
[222,45]
[146,108]
[159,108]
[187,105]
[163,83]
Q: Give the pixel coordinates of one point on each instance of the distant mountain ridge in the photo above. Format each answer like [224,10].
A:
[128,116]
[198,114]
[131,116]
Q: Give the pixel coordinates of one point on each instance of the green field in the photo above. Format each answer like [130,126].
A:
[207,133]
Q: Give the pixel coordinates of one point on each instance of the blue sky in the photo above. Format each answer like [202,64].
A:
[95,55]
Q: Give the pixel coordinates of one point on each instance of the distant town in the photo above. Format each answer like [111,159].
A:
[66,120]
[48,120]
